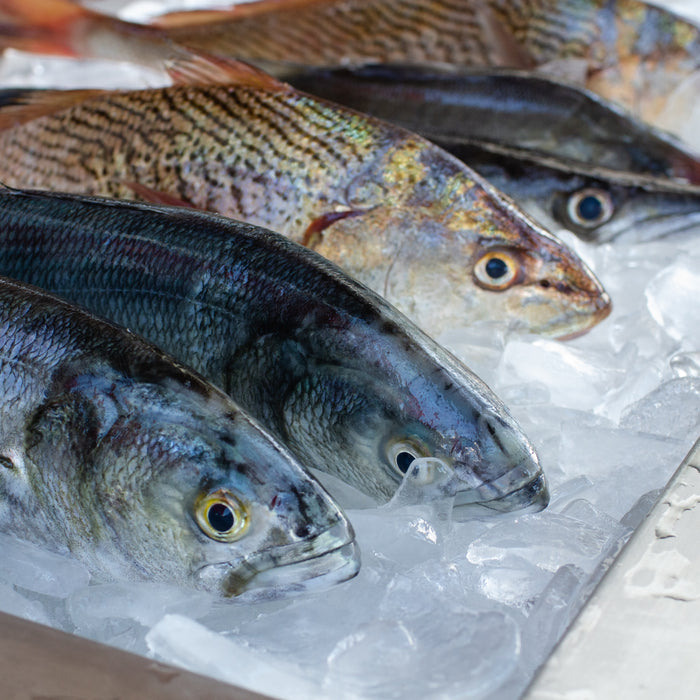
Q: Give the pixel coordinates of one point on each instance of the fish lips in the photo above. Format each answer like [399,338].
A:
[518,489]
[330,558]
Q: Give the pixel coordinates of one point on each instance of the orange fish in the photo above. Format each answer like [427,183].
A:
[627,51]
[394,210]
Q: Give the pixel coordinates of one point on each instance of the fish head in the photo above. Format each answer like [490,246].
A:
[619,206]
[184,487]
[454,250]
[404,418]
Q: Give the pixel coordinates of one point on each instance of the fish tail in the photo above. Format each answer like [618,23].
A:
[55,27]
[41,26]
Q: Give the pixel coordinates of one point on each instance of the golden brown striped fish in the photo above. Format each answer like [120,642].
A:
[627,51]
[395,211]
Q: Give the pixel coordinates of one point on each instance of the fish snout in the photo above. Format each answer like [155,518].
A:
[501,470]
[329,558]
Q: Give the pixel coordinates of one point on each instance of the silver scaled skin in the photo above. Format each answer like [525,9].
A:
[112,451]
[340,376]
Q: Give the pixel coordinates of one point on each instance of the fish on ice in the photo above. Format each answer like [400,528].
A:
[116,453]
[332,369]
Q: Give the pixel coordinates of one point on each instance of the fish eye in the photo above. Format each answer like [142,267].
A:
[402,454]
[221,516]
[590,207]
[496,270]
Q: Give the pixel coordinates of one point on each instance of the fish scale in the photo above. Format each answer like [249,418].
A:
[332,370]
[370,196]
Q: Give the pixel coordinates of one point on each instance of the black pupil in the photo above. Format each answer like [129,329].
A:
[404,461]
[220,517]
[589,208]
[496,268]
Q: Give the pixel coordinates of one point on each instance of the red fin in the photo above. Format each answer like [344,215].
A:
[189,18]
[20,106]
[42,26]
[313,230]
[201,69]
[156,197]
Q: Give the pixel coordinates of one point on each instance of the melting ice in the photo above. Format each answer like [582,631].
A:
[442,609]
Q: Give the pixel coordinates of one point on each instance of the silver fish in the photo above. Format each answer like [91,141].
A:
[349,383]
[598,204]
[114,452]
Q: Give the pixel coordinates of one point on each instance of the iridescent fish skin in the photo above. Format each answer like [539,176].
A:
[392,209]
[334,371]
[598,204]
[111,450]
[629,52]
[453,106]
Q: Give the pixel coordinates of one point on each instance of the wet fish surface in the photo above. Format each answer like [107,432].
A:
[338,374]
[111,450]
[629,52]
[392,209]
[454,107]
[600,205]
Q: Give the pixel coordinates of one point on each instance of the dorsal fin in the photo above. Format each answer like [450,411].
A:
[201,69]
[189,18]
[18,106]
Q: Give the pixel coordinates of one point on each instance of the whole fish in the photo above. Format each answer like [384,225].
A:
[111,450]
[337,373]
[506,108]
[392,209]
[598,204]
[629,52]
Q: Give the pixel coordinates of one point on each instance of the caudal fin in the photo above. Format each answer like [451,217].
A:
[43,26]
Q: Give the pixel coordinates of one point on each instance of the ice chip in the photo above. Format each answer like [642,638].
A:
[34,569]
[672,297]
[14,603]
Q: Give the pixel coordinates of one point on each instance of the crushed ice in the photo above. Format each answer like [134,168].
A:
[443,608]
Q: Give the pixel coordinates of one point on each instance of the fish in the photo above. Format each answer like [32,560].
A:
[629,52]
[115,453]
[392,209]
[598,204]
[505,108]
[347,382]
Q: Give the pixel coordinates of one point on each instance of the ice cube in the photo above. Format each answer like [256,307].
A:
[672,409]
[35,569]
[178,640]
[672,297]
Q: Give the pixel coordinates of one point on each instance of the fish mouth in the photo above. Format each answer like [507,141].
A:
[505,494]
[330,558]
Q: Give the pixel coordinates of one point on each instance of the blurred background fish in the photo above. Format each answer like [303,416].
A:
[111,450]
[512,109]
[634,54]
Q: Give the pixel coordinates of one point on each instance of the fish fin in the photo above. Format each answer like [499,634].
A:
[201,69]
[505,49]
[312,235]
[21,105]
[156,197]
[189,18]
[43,26]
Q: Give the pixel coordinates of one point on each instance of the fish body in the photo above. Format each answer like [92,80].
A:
[111,450]
[392,209]
[452,107]
[598,204]
[629,52]
[332,369]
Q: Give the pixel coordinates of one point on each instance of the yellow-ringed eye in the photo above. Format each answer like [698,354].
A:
[590,207]
[221,516]
[497,270]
